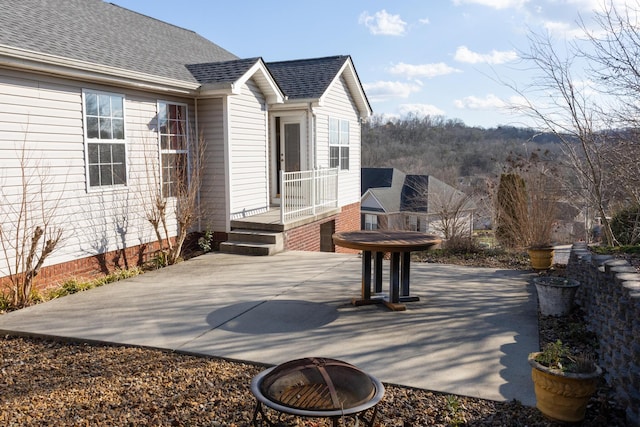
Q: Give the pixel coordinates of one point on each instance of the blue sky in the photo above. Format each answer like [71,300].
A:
[437,57]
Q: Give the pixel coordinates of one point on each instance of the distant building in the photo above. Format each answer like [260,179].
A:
[393,200]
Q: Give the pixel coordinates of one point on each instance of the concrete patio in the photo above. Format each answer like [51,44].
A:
[469,334]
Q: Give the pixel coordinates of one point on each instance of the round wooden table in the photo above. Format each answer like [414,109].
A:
[400,244]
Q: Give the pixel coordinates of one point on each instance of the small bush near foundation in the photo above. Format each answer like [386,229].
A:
[73,286]
[4,303]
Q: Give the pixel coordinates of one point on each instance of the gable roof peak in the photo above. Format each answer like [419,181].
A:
[310,79]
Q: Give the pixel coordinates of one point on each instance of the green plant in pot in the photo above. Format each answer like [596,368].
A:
[555,294]
[563,382]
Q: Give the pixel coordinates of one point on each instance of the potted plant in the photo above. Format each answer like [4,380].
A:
[563,382]
[527,210]
[541,219]
[555,294]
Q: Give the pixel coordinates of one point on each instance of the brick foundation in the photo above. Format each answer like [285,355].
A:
[303,238]
[93,266]
[308,237]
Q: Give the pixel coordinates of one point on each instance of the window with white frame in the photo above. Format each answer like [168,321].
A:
[370,222]
[104,139]
[416,223]
[174,146]
[338,143]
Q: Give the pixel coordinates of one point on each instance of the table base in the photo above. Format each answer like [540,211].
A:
[384,299]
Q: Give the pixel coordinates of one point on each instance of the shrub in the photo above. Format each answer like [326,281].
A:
[205,241]
[73,286]
[458,245]
[511,210]
[625,225]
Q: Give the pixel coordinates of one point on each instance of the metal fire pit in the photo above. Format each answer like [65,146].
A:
[316,388]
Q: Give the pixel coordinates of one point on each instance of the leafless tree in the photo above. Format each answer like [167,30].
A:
[614,65]
[568,110]
[174,195]
[28,232]
[452,208]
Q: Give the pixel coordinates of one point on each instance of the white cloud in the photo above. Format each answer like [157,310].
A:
[591,5]
[495,4]
[384,90]
[463,54]
[424,21]
[423,70]
[489,102]
[420,110]
[383,23]
[563,30]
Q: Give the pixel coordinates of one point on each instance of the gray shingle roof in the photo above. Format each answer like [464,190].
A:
[221,72]
[386,186]
[306,78]
[399,192]
[106,34]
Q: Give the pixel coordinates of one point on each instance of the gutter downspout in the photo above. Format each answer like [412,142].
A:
[198,165]
[312,127]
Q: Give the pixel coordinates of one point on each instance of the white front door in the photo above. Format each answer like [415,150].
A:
[290,149]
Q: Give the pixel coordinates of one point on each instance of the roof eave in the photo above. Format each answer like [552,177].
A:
[299,103]
[215,89]
[21,59]
[264,80]
[370,193]
[354,85]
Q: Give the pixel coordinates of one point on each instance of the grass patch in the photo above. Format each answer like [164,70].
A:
[73,286]
[616,250]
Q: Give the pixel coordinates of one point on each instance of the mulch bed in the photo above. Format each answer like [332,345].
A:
[48,382]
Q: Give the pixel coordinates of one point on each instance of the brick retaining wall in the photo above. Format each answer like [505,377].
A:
[610,297]
[307,237]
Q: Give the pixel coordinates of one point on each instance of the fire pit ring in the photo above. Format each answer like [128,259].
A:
[316,388]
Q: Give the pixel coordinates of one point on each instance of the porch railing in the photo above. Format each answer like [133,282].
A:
[307,193]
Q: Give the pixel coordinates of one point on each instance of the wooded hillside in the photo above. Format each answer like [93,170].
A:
[446,148]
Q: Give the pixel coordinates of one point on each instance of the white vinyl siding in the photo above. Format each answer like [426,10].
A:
[45,116]
[213,193]
[248,147]
[338,103]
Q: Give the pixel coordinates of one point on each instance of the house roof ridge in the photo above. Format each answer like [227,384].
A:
[319,58]
[252,59]
[155,19]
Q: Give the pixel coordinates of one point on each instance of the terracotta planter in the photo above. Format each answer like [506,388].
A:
[541,258]
[555,295]
[562,396]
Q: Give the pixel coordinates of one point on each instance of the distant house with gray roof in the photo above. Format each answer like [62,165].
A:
[101,97]
[393,200]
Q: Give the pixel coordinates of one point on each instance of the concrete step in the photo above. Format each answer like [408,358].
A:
[253,242]
[256,236]
[244,248]
[238,224]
